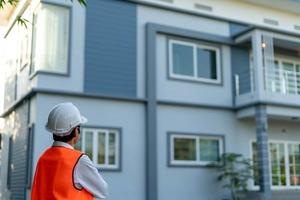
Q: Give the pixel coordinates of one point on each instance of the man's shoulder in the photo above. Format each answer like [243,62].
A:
[85,159]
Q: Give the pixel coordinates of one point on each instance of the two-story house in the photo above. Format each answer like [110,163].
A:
[167,87]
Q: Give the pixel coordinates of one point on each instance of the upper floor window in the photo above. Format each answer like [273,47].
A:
[193,61]
[51,39]
[101,145]
[195,149]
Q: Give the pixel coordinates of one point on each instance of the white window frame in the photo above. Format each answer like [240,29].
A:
[287,172]
[294,61]
[33,36]
[106,131]
[197,162]
[195,59]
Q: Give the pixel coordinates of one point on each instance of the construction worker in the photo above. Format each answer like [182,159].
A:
[63,173]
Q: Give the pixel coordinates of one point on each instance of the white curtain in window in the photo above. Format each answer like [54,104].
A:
[51,39]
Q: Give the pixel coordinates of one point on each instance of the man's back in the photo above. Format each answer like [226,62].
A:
[54,176]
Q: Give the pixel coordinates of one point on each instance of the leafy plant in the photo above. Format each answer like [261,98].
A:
[235,173]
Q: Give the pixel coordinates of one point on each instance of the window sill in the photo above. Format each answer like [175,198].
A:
[195,80]
[276,188]
[32,75]
[195,165]
[107,169]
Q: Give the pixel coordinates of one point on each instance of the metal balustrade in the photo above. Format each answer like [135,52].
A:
[282,81]
[276,80]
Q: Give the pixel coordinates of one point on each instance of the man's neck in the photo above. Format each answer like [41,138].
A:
[70,143]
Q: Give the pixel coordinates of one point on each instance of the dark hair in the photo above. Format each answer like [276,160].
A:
[66,138]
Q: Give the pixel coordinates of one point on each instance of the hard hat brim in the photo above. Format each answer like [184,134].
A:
[83,120]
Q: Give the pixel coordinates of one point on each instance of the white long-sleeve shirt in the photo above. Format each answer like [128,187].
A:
[87,176]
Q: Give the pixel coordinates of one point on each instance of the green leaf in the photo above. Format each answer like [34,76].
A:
[13,2]
[235,174]
[22,21]
[81,2]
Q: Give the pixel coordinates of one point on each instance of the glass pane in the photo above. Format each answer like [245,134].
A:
[209,150]
[89,144]
[101,148]
[281,154]
[207,67]
[112,148]
[255,164]
[295,180]
[295,170]
[183,63]
[294,162]
[283,180]
[289,77]
[273,77]
[275,180]
[184,149]
[278,164]
[288,66]
[51,39]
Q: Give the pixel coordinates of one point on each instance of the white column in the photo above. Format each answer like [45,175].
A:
[256,39]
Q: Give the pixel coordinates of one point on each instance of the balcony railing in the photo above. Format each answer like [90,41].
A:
[276,81]
[282,81]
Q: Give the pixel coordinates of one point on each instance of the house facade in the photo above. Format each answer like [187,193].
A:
[168,86]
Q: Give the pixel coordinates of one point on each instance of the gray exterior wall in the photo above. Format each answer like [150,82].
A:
[10,70]
[196,183]
[129,181]
[4,192]
[73,80]
[152,15]
[236,28]
[10,92]
[177,90]
[110,48]
[18,129]
[114,57]
[240,63]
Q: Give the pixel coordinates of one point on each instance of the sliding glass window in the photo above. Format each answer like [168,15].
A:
[50,50]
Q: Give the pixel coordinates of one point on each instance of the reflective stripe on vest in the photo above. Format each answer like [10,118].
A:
[53,179]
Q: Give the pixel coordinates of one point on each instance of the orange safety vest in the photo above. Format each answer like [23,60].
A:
[53,179]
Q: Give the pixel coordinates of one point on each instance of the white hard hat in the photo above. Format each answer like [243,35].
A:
[63,118]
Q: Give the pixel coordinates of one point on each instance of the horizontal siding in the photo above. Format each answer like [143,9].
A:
[19,153]
[110,51]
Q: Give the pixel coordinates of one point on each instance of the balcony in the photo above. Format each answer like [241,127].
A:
[283,78]
[266,67]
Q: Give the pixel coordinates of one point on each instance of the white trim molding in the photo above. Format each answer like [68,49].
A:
[95,146]
[195,46]
[197,161]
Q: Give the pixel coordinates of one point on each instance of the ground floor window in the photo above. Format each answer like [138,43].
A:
[101,145]
[195,149]
[284,161]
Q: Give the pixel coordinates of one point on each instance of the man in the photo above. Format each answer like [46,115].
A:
[63,173]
